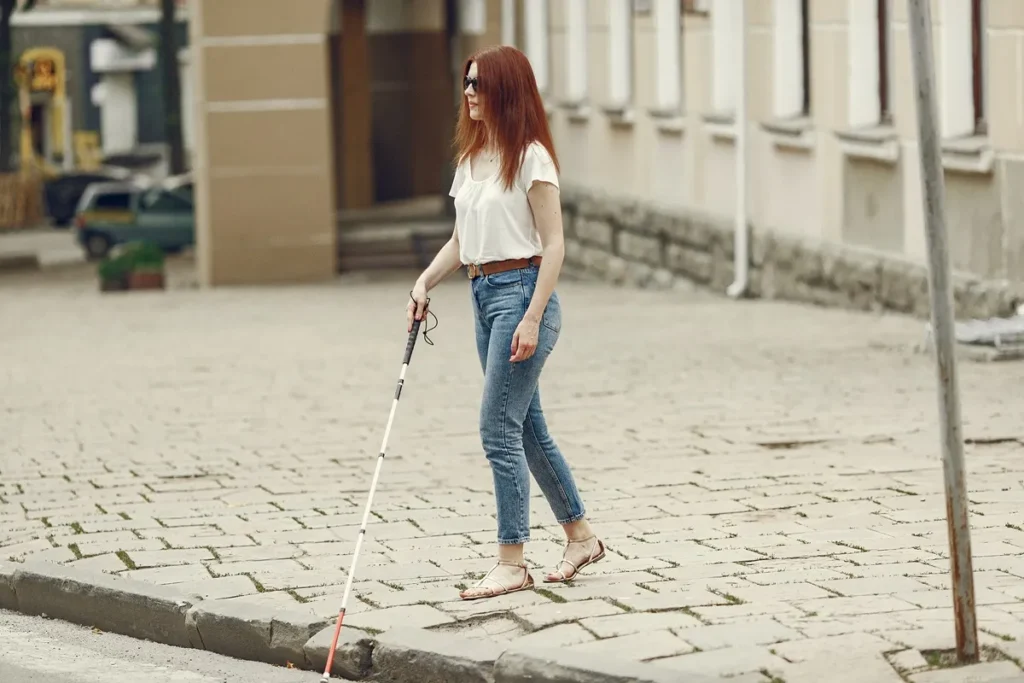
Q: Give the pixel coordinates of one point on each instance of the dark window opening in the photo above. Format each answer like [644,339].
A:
[113,201]
[885,111]
[978,66]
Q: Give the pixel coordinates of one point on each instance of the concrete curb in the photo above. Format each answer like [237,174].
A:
[166,615]
[19,262]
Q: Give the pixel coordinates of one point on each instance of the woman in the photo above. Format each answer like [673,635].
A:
[508,232]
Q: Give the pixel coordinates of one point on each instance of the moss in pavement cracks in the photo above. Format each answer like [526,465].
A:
[123,556]
[260,588]
[550,595]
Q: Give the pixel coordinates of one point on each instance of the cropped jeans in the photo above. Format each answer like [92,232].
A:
[512,427]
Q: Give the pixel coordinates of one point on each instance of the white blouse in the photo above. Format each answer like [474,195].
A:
[494,224]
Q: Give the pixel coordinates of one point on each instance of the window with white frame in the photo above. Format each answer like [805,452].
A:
[726,32]
[668,44]
[792,63]
[620,56]
[537,39]
[869,42]
[576,59]
[962,68]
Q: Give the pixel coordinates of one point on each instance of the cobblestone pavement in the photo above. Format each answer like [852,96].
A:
[766,476]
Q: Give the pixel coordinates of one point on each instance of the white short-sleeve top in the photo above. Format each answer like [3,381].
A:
[494,224]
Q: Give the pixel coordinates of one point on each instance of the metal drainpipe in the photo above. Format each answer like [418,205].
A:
[741,240]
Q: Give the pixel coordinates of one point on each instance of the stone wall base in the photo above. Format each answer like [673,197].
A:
[633,242]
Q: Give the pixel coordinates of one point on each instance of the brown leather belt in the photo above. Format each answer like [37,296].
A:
[474,271]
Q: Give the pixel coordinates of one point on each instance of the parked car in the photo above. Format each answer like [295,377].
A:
[62,194]
[116,213]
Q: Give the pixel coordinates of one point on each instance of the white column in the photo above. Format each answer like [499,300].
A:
[863,65]
[956,73]
[508,22]
[535,20]
[115,95]
[576,62]
[668,39]
[620,53]
[726,33]
[473,17]
[788,58]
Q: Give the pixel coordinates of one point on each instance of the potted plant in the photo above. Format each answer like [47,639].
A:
[136,265]
[147,266]
[113,273]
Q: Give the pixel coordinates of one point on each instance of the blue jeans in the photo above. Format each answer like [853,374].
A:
[512,427]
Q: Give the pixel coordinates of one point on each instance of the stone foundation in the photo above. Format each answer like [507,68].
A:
[632,242]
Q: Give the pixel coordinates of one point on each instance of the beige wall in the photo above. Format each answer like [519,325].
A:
[830,187]
[263,165]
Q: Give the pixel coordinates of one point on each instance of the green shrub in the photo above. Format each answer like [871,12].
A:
[129,258]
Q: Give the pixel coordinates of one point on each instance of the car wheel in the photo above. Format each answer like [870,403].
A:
[97,246]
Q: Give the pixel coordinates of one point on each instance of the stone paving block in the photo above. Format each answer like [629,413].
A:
[770,608]
[164,558]
[218,589]
[353,655]
[863,644]
[413,616]
[550,665]
[465,609]
[169,575]
[730,661]
[874,604]
[412,655]
[759,631]
[550,613]
[636,622]
[908,661]
[559,635]
[109,564]
[247,631]
[637,647]
[672,600]
[988,672]
[838,669]
[110,603]
[257,567]
[880,586]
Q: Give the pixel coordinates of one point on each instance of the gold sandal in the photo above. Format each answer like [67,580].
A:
[502,588]
[577,569]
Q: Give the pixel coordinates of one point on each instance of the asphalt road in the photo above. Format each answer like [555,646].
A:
[35,650]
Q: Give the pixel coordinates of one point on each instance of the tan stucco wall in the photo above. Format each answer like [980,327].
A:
[819,193]
[263,164]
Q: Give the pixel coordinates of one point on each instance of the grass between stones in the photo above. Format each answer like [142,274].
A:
[128,562]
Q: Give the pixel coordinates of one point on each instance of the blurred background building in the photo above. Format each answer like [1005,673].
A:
[315,127]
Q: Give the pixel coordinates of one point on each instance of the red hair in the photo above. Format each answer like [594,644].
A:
[513,110]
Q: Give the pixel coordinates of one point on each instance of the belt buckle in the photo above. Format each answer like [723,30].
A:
[473,270]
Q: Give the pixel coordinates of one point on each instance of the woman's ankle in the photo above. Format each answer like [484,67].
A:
[511,554]
[580,530]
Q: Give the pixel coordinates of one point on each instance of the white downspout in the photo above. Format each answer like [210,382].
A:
[741,241]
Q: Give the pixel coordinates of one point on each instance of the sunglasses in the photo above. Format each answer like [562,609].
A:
[467,81]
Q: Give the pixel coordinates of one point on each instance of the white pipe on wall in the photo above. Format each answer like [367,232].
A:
[741,243]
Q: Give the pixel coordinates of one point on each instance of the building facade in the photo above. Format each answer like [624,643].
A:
[643,97]
[310,108]
[105,96]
